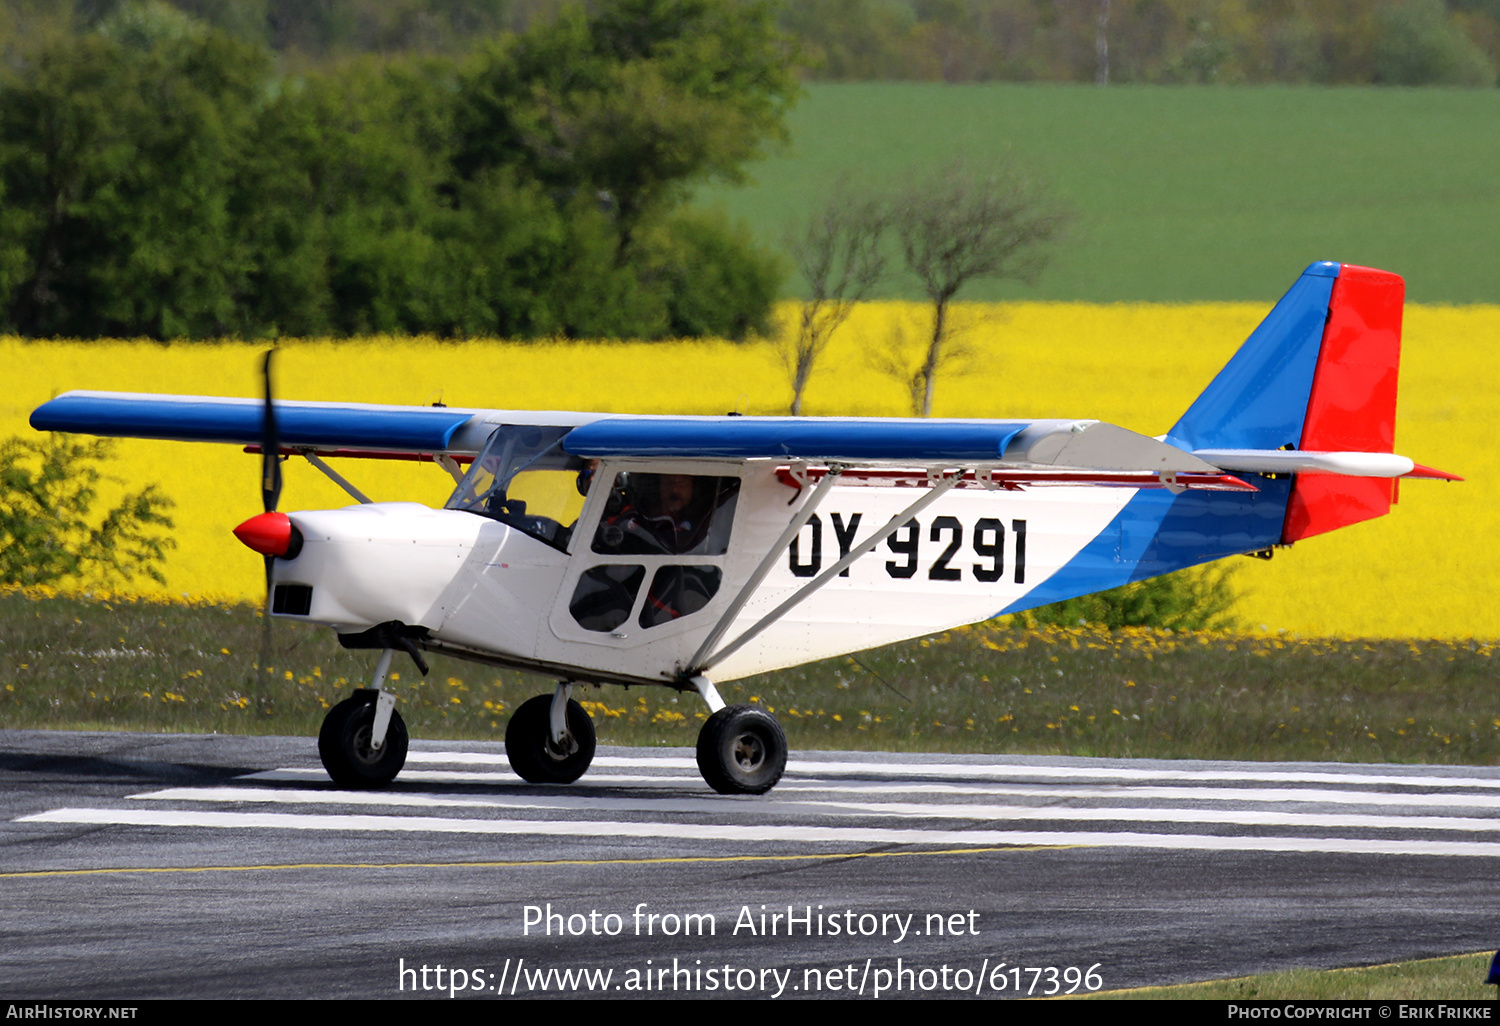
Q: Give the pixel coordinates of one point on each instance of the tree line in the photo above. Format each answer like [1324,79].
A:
[1368,42]
[1331,42]
[161,177]
[521,168]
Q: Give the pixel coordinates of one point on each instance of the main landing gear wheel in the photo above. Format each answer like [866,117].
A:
[741,750]
[529,747]
[344,744]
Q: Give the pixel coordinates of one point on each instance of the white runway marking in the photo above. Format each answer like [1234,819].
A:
[840,767]
[1233,807]
[762,806]
[769,833]
[482,777]
[1421,800]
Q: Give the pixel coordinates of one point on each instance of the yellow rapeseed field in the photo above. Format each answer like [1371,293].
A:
[1424,571]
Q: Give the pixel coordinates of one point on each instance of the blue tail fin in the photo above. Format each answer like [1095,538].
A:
[1259,400]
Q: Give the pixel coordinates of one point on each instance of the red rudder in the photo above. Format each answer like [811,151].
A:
[1352,407]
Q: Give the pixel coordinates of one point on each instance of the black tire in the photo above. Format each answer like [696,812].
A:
[344,743]
[741,750]
[528,743]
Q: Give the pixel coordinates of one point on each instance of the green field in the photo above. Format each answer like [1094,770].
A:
[1181,194]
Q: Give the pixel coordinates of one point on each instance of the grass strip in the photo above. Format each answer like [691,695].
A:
[1458,978]
[94,663]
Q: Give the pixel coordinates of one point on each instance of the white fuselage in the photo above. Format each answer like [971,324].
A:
[486,588]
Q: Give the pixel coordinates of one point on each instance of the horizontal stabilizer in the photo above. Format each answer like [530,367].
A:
[1294,461]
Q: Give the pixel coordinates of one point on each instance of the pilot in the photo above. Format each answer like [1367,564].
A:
[657,514]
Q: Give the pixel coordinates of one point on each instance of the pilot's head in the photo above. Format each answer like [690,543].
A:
[675,492]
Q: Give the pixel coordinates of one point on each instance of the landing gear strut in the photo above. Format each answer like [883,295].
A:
[550,739]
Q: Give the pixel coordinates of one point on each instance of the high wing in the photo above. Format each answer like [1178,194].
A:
[381,431]
[872,451]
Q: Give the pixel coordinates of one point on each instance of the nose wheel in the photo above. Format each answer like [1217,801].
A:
[741,750]
[345,743]
[540,758]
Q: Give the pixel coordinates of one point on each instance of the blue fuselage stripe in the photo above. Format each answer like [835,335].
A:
[1158,532]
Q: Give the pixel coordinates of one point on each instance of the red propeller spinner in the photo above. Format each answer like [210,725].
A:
[270,534]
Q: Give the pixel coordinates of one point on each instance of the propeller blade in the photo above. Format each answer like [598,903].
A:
[270,493]
[270,445]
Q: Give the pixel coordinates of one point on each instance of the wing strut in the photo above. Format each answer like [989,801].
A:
[936,492]
[772,555]
[449,464]
[335,476]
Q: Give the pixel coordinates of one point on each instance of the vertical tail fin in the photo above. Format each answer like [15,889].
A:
[1319,375]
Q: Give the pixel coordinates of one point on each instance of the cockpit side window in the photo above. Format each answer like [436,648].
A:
[684,517]
[667,514]
[524,479]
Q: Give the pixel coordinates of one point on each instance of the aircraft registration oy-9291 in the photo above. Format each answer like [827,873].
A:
[681,551]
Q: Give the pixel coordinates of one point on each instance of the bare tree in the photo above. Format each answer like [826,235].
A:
[839,254]
[956,227]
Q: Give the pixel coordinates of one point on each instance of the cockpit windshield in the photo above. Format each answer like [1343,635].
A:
[524,479]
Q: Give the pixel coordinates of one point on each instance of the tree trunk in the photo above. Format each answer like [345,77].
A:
[1101,45]
[934,354]
[799,382]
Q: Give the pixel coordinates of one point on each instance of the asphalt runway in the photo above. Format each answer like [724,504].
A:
[151,866]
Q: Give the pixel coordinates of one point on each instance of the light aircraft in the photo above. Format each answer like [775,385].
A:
[688,551]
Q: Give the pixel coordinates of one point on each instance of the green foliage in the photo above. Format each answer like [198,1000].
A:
[630,108]
[849,40]
[160,180]
[49,531]
[146,25]
[116,157]
[371,174]
[304,30]
[713,278]
[1197,599]
[1420,45]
